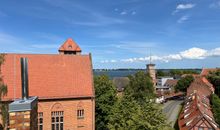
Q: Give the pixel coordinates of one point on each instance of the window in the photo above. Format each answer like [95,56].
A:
[40,121]
[80,113]
[200,128]
[57,120]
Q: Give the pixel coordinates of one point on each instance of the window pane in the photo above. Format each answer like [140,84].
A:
[57,119]
[61,119]
[53,126]
[41,127]
[41,121]
[61,126]
[57,126]
[53,119]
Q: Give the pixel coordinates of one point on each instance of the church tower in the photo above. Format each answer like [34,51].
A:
[70,47]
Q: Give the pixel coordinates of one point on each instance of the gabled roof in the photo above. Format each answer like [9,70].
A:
[206,71]
[201,85]
[197,105]
[50,76]
[196,108]
[171,82]
[70,45]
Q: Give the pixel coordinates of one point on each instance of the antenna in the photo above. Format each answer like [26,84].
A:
[150,57]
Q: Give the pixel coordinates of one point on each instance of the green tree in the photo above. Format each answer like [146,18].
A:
[215,103]
[140,87]
[3,92]
[105,93]
[184,83]
[128,114]
[214,78]
[135,111]
[160,73]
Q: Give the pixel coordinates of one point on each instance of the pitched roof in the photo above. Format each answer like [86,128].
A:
[50,76]
[196,108]
[171,82]
[206,71]
[197,105]
[70,45]
[201,84]
[120,83]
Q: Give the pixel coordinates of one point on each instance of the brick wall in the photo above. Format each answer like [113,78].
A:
[71,122]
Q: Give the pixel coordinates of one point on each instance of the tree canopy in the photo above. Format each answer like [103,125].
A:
[184,83]
[3,92]
[215,102]
[140,87]
[132,111]
[105,98]
[214,78]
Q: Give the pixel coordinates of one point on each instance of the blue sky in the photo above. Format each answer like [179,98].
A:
[119,34]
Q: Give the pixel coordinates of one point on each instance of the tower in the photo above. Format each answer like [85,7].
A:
[151,70]
[70,47]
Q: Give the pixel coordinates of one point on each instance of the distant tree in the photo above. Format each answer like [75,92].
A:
[215,103]
[175,72]
[160,73]
[105,99]
[3,92]
[140,87]
[179,72]
[214,78]
[184,83]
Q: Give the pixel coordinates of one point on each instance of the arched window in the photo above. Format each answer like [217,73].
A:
[57,117]
[80,111]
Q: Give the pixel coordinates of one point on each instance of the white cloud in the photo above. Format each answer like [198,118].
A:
[215,5]
[191,54]
[182,19]
[123,13]
[185,6]
[194,53]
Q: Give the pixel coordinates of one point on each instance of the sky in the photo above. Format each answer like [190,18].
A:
[118,33]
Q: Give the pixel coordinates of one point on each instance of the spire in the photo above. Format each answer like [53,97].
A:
[70,47]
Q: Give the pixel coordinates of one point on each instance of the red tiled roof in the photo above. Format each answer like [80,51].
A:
[70,45]
[50,76]
[206,71]
[197,105]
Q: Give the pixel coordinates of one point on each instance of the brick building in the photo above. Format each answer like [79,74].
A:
[63,83]
[197,113]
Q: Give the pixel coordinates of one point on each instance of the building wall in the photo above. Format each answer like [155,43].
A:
[71,122]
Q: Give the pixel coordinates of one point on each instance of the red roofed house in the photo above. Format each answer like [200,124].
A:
[196,113]
[63,83]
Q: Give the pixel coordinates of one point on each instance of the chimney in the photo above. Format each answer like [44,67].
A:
[23,112]
[24,78]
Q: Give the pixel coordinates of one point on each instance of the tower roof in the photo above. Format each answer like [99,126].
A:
[70,45]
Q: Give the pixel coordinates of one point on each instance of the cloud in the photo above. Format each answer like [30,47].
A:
[87,15]
[215,5]
[194,53]
[183,7]
[133,12]
[123,13]
[190,54]
[182,19]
